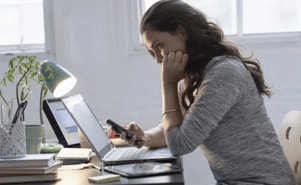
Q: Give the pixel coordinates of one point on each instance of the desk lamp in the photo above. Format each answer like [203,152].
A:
[58,81]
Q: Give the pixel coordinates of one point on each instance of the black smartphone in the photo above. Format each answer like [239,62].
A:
[119,129]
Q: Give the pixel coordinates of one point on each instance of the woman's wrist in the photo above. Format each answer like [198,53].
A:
[146,140]
[170,111]
[154,137]
[169,84]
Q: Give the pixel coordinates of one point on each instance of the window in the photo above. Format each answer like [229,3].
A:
[272,16]
[239,17]
[22,26]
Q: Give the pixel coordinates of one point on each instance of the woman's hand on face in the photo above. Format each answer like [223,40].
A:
[138,139]
[173,67]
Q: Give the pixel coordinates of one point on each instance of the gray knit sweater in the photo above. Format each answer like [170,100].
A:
[229,121]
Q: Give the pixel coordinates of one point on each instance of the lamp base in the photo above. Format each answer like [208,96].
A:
[51,147]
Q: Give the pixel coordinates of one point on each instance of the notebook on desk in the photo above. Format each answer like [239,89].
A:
[100,142]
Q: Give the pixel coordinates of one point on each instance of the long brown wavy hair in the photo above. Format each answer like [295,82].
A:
[205,41]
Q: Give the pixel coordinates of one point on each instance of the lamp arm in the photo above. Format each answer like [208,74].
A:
[43,93]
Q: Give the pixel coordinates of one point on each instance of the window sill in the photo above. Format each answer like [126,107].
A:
[39,54]
[262,39]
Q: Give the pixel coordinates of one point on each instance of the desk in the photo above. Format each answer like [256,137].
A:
[80,177]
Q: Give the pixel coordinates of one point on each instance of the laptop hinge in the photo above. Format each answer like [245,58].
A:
[109,153]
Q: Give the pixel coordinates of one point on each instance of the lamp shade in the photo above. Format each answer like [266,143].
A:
[62,80]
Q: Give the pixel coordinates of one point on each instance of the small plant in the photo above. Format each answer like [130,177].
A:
[24,69]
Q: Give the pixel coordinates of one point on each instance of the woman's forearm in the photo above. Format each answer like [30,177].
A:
[171,112]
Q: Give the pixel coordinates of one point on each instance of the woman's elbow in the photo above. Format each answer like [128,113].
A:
[179,144]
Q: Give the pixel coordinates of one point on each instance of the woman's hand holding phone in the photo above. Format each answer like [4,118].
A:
[131,133]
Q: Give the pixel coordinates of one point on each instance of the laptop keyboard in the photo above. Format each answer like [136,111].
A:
[129,153]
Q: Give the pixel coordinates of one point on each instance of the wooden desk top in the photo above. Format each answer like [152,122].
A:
[80,177]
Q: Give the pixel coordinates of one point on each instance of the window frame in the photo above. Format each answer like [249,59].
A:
[39,50]
[258,38]
[135,10]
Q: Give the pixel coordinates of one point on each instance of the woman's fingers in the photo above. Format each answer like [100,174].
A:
[134,140]
[173,66]
[137,138]
[177,57]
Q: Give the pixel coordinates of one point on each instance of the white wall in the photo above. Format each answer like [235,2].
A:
[93,41]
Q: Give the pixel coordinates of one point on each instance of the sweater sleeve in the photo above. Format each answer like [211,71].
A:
[221,88]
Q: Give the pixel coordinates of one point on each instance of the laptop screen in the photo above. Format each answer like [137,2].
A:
[62,122]
[88,123]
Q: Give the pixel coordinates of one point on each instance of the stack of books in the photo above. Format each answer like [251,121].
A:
[31,168]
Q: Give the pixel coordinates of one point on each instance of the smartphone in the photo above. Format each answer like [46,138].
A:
[120,129]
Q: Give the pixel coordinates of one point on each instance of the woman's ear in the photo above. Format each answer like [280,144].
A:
[181,30]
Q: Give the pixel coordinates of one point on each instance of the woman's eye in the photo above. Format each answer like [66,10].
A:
[159,46]
[152,53]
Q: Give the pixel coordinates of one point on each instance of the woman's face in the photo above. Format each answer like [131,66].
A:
[159,44]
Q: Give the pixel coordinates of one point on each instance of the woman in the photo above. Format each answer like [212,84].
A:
[211,97]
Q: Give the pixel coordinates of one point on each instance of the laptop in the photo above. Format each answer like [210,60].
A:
[61,122]
[100,142]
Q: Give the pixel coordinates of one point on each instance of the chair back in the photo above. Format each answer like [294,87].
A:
[290,139]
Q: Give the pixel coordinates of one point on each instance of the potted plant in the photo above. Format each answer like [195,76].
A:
[22,70]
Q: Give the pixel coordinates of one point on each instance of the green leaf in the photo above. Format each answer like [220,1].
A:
[4,82]
[10,77]
[45,93]
[11,63]
[20,69]
[33,74]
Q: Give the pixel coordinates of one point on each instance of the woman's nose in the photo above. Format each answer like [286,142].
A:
[162,52]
